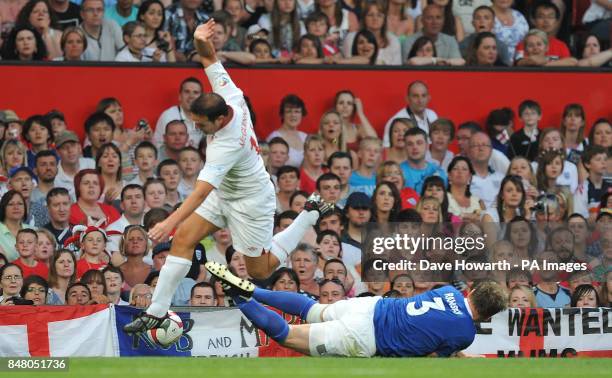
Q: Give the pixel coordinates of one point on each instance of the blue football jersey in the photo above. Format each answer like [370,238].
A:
[435,321]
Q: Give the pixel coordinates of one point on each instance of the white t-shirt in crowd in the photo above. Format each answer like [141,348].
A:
[174,113]
[422,123]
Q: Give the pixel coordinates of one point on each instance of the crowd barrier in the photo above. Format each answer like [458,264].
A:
[86,331]
[147,90]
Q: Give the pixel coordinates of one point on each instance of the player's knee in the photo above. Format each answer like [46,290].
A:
[182,244]
[261,267]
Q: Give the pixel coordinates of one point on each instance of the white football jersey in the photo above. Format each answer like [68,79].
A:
[233,164]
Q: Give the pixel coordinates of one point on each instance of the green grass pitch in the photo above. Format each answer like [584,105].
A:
[328,367]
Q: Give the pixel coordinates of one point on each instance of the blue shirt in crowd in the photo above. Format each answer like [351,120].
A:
[414,178]
[359,183]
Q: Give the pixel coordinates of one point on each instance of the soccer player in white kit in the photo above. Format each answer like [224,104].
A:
[233,190]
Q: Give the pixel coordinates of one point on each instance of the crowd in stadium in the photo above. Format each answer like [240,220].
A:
[74,215]
[478,33]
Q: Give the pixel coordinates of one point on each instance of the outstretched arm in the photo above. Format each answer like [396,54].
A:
[202,40]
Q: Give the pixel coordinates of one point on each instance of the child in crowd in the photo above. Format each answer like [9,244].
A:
[525,141]
[93,255]
[169,171]
[27,245]
[317,24]
[99,128]
[550,167]
[190,164]
[594,187]
[145,158]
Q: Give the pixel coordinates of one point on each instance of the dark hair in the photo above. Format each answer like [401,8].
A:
[315,40]
[34,279]
[79,176]
[154,216]
[41,120]
[582,290]
[335,261]
[546,4]
[474,127]
[292,101]
[518,182]
[144,7]
[43,154]
[287,214]
[328,176]
[294,23]
[317,15]
[113,269]
[210,105]
[57,191]
[381,5]
[75,284]
[203,284]
[529,104]
[98,117]
[106,103]
[452,165]
[52,270]
[287,169]
[545,158]
[472,58]
[23,18]
[582,42]
[91,275]
[322,234]
[131,187]
[27,231]
[405,121]
[501,116]
[339,155]
[143,145]
[335,281]
[101,151]
[573,108]
[599,121]
[590,152]
[6,198]
[409,215]
[8,265]
[371,38]
[166,163]
[414,131]
[151,181]
[9,48]
[484,7]
[279,273]
[532,247]
[439,182]
[518,272]
[259,42]
[278,140]
[449,26]
[397,201]
[404,275]
[190,79]
[151,277]
[419,43]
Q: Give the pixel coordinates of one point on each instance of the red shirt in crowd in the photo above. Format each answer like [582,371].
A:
[557,49]
[77,216]
[39,269]
[83,266]
[409,198]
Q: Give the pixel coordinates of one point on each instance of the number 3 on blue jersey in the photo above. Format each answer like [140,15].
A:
[437,304]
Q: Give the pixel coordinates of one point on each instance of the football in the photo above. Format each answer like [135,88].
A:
[169,332]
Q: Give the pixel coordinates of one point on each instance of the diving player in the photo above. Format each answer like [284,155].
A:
[436,323]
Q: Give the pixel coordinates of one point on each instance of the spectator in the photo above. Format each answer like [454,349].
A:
[122,12]
[400,23]
[203,295]
[73,44]
[58,205]
[518,277]
[597,19]
[62,273]
[57,119]
[548,293]
[227,49]
[87,210]
[222,240]
[92,244]
[45,167]
[141,295]
[108,165]
[331,291]
[484,51]
[284,220]
[365,50]
[312,167]
[285,26]
[236,262]
[328,186]
[483,20]
[22,180]
[170,172]
[396,152]
[550,166]
[13,213]
[537,52]
[297,201]
[132,205]
[486,182]
[572,128]
[284,279]
[441,133]
[46,246]
[465,10]
[175,139]
[14,155]
[358,213]
[511,27]
[292,111]
[103,36]
[39,136]
[145,159]
[77,294]
[236,10]
[340,164]
[417,99]
[606,290]
[461,202]
[183,292]
[151,15]
[416,168]
[135,43]
[134,246]
[351,110]
[11,282]
[433,22]
[155,194]
[68,14]
[522,297]
[404,284]
[391,172]
[375,21]
[190,89]
[592,189]
[100,129]
[580,229]
[329,248]
[36,13]
[363,179]
[585,296]
[524,142]
[35,289]
[341,21]
[578,278]
[386,203]
[423,53]
[113,281]
[26,245]
[279,155]
[24,43]
[304,261]
[182,17]
[601,134]
[95,281]
[190,163]
[453,25]
[590,54]
[309,50]
[521,233]
[260,47]
[71,161]
[288,181]
[551,138]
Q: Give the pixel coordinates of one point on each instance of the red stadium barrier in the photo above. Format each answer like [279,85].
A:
[146,90]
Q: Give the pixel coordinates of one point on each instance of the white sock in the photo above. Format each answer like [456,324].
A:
[285,241]
[170,276]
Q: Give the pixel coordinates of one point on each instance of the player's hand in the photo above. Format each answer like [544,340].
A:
[202,39]
[161,231]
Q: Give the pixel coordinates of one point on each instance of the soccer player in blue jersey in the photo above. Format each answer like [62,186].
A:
[436,323]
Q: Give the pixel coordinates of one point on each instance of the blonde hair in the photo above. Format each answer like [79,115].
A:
[12,143]
[423,200]
[130,229]
[527,291]
[537,33]
[532,179]
[341,141]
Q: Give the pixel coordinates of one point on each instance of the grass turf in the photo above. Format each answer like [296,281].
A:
[328,367]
